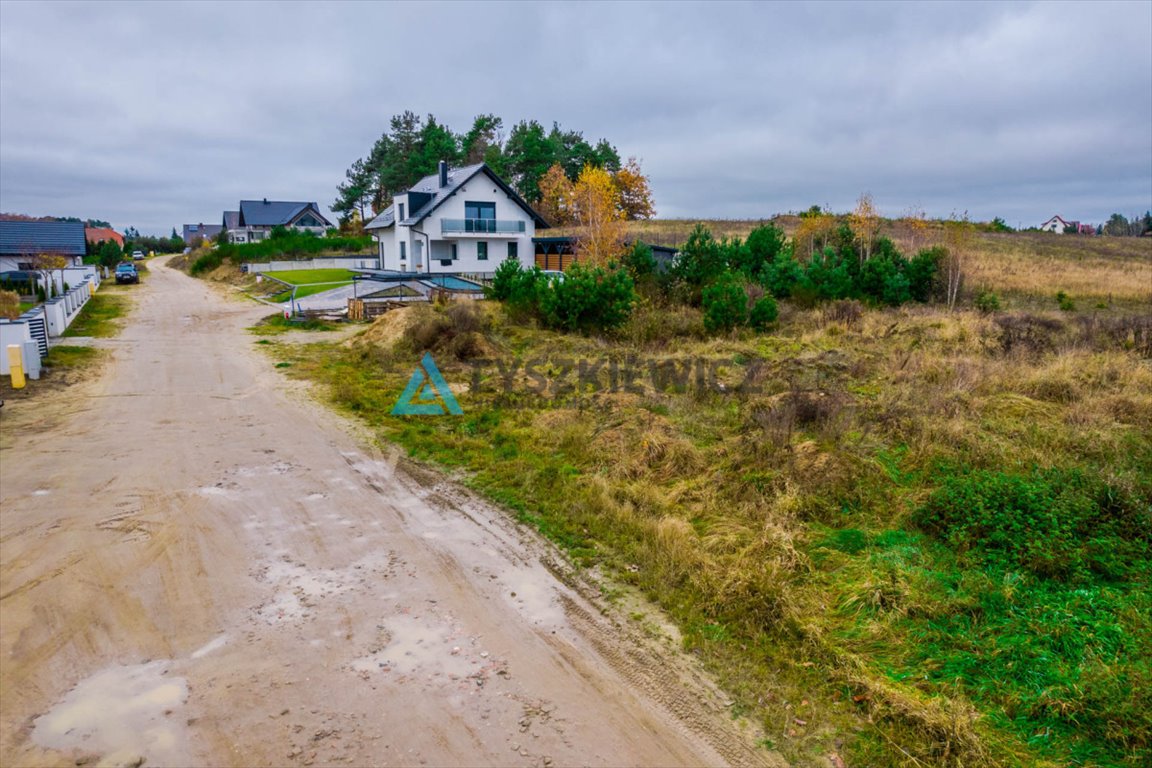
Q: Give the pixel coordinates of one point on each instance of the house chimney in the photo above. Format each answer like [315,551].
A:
[443,174]
[265,201]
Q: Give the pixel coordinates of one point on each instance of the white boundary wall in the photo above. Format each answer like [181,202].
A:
[336,262]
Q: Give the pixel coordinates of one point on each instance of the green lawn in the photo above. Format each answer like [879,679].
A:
[309,276]
[100,316]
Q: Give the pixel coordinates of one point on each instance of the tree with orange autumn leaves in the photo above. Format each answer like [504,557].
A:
[597,203]
[630,191]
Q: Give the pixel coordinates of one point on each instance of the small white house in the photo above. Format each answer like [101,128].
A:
[1058,225]
[456,220]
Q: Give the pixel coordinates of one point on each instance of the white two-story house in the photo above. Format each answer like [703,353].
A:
[456,220]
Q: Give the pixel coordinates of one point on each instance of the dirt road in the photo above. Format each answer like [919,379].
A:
[199,566]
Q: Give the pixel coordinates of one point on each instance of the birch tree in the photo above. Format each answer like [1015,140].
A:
[865,223]
[596,206]
[958,238]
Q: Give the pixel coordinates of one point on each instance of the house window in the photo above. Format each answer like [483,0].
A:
[401,216]
[403,250]
[482,251]
[479,217]
[445,262]
[308,220]
[453,250]
[513,249]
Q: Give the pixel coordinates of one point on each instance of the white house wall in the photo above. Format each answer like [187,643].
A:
[480,189]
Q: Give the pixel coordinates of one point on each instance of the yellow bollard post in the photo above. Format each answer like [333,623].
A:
[16,366]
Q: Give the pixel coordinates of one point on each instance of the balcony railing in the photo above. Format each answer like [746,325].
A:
[480,226]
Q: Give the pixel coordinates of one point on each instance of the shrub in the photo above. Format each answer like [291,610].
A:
[782,274]
[639,262]
[1027,333]
[764,313]
[1053,523]
[206,262]
[699,261]
[649,325]
[457,328]
[9,304]
[588,299]
[1064,301]
[504,280]
[923,269]
[827,277]
[725,304]
[425,329]
[520,289]
[987,302]
[847,311]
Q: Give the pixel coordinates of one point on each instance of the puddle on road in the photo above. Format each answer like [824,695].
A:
[423,647]
[125,710]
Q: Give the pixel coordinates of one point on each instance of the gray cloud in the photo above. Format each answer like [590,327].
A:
[154,115]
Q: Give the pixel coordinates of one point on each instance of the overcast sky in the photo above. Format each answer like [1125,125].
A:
[158,114]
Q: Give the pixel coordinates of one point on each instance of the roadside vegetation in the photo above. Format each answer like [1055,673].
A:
[277,324]
[281,244]
[101,316]
[899,533]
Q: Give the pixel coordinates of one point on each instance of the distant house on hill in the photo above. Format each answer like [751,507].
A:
[256,218]
[1062,227]
[97,235]
[456,220]
[1055,224]
[193,232]
[22,241]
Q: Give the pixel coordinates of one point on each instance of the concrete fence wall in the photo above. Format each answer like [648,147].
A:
[335,262]
[13,332]
[33,328]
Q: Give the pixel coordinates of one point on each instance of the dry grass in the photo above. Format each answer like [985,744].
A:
[718,504]
[1095,269]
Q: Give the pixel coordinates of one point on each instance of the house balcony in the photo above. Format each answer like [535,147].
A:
[480,227]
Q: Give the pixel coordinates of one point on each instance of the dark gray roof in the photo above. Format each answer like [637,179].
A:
[271,213]
[208,231]
[231,219]
[458,177]
[430,185]
[21,238]
[386,219]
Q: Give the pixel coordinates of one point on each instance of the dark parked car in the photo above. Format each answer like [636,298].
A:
[126,273]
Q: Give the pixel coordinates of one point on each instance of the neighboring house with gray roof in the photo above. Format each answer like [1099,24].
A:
[22,241]
[194,232]
[456,220]
[256,218]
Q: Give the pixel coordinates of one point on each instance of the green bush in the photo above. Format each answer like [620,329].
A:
[1056,524]
[764,313]
[520,289]
[781,276]
[1064,301]
[290,242]
[206,262]
[588,299]
[987,302]
[699,260]
[725,304]
[639,261]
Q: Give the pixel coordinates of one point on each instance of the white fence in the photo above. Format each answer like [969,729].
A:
[335,262]
[49,319]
